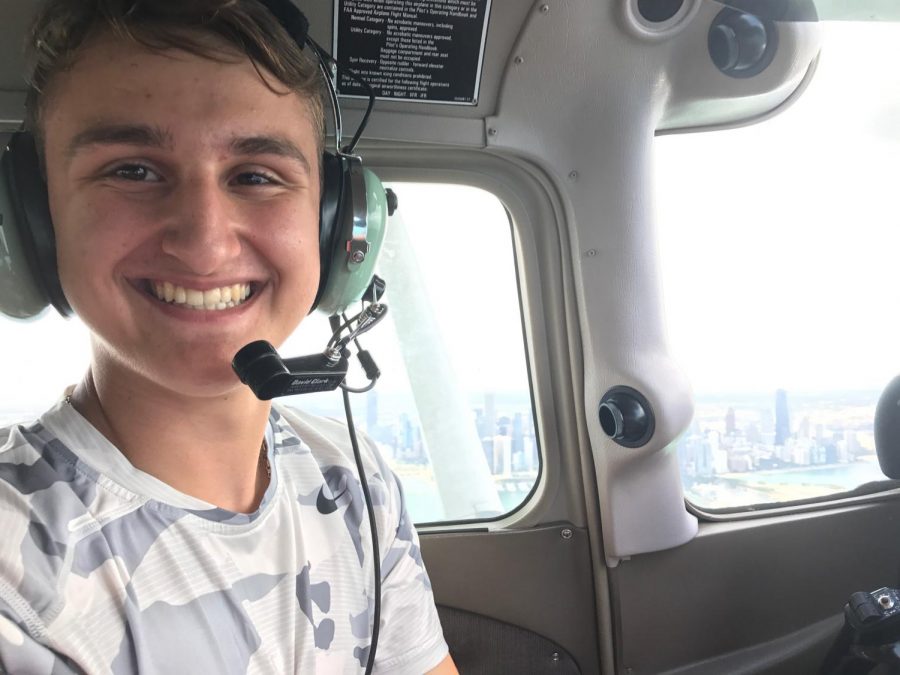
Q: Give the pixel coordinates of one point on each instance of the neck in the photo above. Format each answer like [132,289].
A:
[207,447]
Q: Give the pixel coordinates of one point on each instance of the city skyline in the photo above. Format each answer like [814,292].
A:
[779,448]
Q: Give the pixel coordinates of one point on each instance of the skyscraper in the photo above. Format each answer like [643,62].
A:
[782,418]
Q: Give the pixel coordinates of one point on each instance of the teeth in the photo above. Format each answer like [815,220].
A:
[194,298]
[212,299]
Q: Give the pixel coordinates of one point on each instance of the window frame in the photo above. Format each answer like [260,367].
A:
[544,279]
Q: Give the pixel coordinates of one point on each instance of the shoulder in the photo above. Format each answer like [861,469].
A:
[34,462]
[43,489]
[328,442]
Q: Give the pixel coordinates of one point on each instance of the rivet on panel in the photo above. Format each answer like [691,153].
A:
[545,9]
[573,175]
[519,60]
[492,131]
[591,253]
[567,533]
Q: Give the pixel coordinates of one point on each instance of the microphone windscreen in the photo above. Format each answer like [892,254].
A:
[887,429]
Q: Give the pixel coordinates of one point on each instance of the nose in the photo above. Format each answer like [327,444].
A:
[203,230]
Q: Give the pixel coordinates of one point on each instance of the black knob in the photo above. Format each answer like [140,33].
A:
[626,417]
[741,44]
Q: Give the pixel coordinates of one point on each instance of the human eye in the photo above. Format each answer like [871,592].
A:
[137,173]
[256,178]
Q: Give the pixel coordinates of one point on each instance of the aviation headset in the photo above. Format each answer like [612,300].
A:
[352,213]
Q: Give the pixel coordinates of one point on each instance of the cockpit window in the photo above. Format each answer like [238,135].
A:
[780,245]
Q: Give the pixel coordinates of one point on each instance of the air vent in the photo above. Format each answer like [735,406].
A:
[659,19]
[658,11]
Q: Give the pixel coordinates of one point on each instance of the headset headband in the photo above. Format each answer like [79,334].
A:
[290,17]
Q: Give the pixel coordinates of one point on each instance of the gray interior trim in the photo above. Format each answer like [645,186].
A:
[753,119]
[555,352]
[537,579]
[742,584]
[800,652]
[418,127]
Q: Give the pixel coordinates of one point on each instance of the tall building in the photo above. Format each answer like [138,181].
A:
[407,440]
[803,431]
[782,418]
[502,464]
[730,425]
[490,416]
[518,442]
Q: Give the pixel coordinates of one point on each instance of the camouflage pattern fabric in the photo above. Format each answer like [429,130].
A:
[105,569]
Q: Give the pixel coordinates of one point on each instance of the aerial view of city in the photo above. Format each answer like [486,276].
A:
[761,449]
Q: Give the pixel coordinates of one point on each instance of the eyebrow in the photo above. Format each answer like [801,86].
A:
[119,134]
[150,136]
[270,145]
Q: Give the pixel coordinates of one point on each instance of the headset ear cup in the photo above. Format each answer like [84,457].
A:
[359,227]
[29,277]
[329,213]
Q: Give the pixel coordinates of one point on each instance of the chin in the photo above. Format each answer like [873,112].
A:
[209,385]
[198,378]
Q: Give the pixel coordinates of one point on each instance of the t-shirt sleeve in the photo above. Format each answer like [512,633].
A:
[411,641]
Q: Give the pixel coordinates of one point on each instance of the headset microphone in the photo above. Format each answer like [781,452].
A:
[260,367]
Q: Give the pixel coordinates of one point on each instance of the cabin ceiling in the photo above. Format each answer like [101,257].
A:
[670,59]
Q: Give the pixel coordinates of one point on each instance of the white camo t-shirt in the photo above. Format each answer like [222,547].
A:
[105,569]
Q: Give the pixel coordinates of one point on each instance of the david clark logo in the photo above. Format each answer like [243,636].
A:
[301,382]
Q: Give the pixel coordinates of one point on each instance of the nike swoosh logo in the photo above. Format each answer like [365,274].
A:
[326,505]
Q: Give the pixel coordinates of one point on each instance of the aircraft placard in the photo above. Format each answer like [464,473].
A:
[412,50]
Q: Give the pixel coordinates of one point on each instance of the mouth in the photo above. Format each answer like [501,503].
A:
[209,300]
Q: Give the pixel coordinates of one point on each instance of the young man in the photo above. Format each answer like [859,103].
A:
[160,518]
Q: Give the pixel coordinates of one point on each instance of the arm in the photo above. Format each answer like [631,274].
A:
[445,667]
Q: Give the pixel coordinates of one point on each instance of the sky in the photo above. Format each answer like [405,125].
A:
[779,242]
[779,272]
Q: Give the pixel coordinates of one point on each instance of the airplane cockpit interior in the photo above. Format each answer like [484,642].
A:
[639,329]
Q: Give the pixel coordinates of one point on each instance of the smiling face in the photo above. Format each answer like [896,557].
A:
[185,201]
